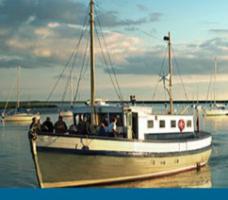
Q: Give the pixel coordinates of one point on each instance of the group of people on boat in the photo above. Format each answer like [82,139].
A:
[47,126]
[83,127]
[105,128]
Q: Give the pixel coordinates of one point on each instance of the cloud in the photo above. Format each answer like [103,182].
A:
[48,29]
[40,11]
[188,59]
[43,33]
[142,7]
[219,31]
[111,19]
[154,17]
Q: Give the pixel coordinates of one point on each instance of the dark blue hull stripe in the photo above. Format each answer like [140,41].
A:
[85,151]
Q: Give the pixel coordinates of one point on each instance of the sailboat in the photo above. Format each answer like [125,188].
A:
[148,145]
[18,115]
[216,109]
[68,112]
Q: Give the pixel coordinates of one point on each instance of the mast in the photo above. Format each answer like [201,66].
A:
[18,86]
[71,91]
[168,39]
[92,63]
[215,79]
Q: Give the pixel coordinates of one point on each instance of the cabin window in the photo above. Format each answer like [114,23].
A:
[173,124]
[189,123]
[162,123]
[150,124]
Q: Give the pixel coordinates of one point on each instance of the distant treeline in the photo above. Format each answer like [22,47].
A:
[26,105]
[54,104]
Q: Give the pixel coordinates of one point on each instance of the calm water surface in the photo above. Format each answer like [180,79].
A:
[17,169]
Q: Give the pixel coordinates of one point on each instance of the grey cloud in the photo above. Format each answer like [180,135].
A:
[19,11]
[194,59]
[215,46]
[153,66]
[40,12]
[110,19]
[154,17]
[219,31]
[141,7]
[28,62]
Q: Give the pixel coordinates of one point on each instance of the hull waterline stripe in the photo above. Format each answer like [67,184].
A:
[119,153]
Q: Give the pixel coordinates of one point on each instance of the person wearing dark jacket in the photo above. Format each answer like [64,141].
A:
[47,126]
[60,126]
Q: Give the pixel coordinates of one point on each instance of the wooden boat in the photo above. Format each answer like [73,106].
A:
[69,160]
[146,144]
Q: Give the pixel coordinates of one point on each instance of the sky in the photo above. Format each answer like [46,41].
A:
[41,35]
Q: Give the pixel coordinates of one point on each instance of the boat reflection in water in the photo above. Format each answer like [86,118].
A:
[190,179]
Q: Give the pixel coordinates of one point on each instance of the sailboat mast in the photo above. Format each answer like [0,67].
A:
[18,86]
[92,62]
[215,72]
[71,90]
[168,39]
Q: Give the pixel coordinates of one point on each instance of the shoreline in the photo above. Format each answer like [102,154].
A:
[55,104]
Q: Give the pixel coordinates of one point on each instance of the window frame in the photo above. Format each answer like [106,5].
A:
[171,124]
[148,123]
[160,125]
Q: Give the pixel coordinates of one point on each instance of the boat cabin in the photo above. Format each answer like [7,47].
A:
[135,122]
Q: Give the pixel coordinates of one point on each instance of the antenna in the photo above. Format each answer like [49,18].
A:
[168,39]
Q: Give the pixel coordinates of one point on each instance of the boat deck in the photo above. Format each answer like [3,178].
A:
[165,137]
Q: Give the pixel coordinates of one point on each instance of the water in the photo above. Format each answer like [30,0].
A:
[17,168]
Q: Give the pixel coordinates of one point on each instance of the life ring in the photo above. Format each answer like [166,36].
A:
[181,125]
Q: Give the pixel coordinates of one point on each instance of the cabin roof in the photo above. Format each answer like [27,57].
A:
[118,108]
[99,109]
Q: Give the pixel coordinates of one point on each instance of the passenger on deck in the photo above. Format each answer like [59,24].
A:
[47,126]
[73,129]
[103,129]
[60,126]
[106,123]
[35,125]
[34,121]
[84,126]
[112,128]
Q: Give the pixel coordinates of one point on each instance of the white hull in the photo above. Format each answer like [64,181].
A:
[66,114]
[94,144]
[18,117]
[216,112]
[82,161]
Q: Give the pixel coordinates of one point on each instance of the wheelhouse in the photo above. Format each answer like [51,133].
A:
[135,122]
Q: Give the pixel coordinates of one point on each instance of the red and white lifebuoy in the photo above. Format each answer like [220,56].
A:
[181,125]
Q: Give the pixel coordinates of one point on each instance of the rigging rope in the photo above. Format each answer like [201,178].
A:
[12,88]
[106,64]
[81,70]
[73,54]
[108,59]
[161,73]
[179,74]
[209,87]
[74,61]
